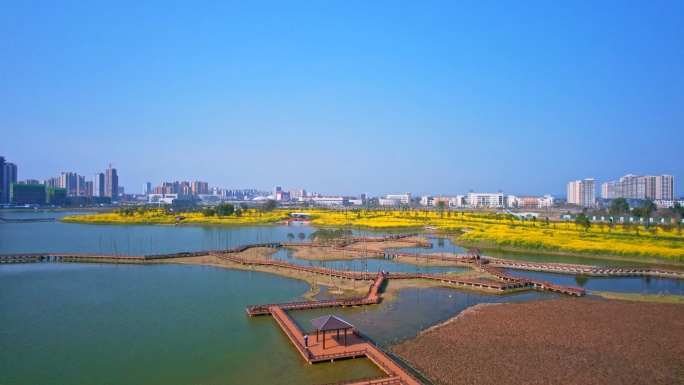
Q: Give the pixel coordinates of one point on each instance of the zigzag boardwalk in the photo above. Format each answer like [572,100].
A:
[596,271]
[355,345]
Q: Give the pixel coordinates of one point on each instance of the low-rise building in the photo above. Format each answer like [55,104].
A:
[330,201]
[27,194]
[404,199]
[491,200]
[530,201]
[668,203]
[55,196]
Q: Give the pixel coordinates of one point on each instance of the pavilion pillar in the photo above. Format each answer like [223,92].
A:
[316,335]
[323,339]
[338,335]
[345,338]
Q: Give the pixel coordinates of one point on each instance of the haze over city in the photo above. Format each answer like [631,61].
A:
[345,97]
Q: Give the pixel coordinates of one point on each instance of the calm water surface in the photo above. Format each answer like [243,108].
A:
[75,323]
[67,323]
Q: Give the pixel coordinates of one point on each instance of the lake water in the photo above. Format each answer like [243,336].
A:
[71,323]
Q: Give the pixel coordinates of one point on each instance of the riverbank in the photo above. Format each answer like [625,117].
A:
[673,298]
[488,246]
[624,242]
[558,341]
[337,287]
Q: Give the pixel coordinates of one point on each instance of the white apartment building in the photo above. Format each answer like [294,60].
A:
[330,201]
[426,200]
[298,193]
[668,203]
[530,201]
[664,187]
[457,201]
[631,186]
[493,200]
[402,198]
[582,192]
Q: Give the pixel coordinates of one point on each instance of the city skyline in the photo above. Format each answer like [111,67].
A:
[345,98]
[573,194]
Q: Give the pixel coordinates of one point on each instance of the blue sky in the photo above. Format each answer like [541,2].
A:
[343,97]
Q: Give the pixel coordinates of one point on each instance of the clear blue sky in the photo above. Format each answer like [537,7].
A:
[341,97]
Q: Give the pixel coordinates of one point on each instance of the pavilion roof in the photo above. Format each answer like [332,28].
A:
[330,322]
[475,250]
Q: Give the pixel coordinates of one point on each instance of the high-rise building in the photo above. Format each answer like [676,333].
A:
[98,184]
[639,187]
[582,192]
[2,180]
[51,182]
[88,188]
[297,193]
[147,188]
[633,186]
[9,176]
[81,187]
[112,184]
[199,187]
[664,187]
[69,181]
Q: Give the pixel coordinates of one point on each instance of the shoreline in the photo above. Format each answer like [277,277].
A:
[486,246]
[453,236]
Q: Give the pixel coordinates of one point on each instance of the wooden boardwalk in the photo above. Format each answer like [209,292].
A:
[357,344]
[596,271]
[27,220]
[335,348]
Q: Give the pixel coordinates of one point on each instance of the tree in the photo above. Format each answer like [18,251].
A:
[270,205]
[654,231]
[208,212]
[290,237]
[648,208]
[440,208]
[301,236]
[619,206]
[678,211]
[225,209]
[238,212]
[312,237]
[582,221]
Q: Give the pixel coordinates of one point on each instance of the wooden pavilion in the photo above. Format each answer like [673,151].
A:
[474,253]
[330,323]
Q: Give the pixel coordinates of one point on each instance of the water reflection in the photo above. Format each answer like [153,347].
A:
[370,265]
[413,311]
[648,285]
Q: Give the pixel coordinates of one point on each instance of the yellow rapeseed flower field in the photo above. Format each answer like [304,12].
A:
[483,229]
[159,216]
